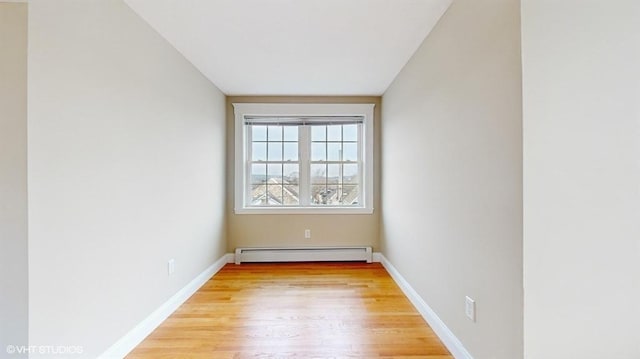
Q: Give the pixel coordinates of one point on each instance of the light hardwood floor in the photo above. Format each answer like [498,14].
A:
[295,310]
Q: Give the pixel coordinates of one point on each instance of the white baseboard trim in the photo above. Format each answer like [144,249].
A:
[448,339]
[377,257]
[136,335]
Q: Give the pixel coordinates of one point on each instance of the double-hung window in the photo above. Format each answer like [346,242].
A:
[304,158]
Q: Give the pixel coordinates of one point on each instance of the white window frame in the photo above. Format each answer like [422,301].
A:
[301,109]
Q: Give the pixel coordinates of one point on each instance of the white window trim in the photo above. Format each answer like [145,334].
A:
[302,109]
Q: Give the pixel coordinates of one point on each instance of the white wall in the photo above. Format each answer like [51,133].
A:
[126,170]
[13,176]
[581,79]
[452,174]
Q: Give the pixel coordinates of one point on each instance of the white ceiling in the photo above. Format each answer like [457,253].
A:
[295,47]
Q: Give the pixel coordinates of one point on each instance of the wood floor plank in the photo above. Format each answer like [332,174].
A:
[295,310]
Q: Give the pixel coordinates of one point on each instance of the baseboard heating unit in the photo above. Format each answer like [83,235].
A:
[303,254]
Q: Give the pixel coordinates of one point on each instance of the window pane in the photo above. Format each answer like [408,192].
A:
[258,133]
[333,152]
[258,173]
[318,151]
[333,174]
[290,194]
[291,151]
[350,173]
[318,194]
[291,173]
[275,151]
[274,173]
[318,133]
[350,132]
[318,174]
[332,195]
[290,188]
[259,151]
[274,193]
[350,152]
[350,195]
[275,133]
[334,133]
[258,195]
[290,133]
[274,184]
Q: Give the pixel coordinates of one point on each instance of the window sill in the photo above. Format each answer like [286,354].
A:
[303,210]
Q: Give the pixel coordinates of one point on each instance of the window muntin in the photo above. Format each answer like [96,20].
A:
[299,158]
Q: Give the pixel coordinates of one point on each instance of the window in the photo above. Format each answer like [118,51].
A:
[304,158]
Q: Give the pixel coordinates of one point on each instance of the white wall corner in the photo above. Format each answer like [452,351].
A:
[453,344]
[136,335]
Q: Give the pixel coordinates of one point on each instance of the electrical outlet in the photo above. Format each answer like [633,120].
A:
[470,308]
[307,233]
[171,266]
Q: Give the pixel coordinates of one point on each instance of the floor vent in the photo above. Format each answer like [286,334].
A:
[303,254]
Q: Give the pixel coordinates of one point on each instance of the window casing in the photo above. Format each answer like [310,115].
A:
[303,158]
